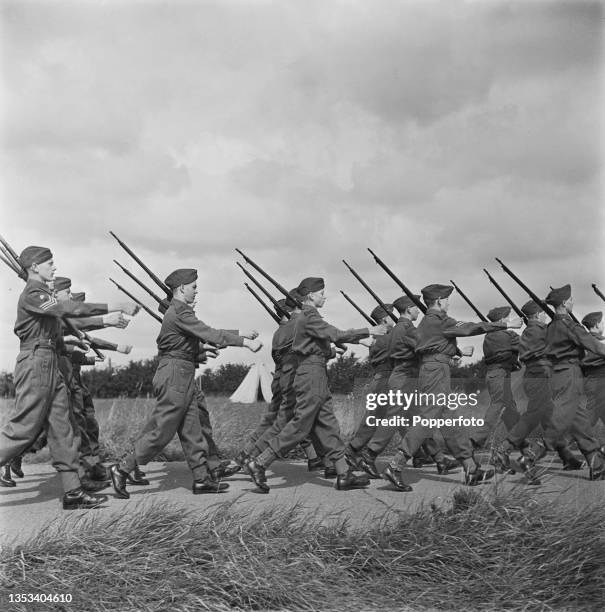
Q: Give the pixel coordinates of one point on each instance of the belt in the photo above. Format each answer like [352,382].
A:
[545,363]
[410,363]
[182,355]
[438,357]
[312,359]
[32,345]
[566,361]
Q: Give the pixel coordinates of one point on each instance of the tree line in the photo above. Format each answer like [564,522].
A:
[345,374]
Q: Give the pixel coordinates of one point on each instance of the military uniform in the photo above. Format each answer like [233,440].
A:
[436,346]
[566,343]
[593,368]
[176,410]
[500,352]
[41,395]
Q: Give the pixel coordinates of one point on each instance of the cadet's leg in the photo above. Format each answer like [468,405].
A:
[496,382]
[192,439]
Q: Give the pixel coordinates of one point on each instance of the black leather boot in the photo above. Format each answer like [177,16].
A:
[5,477]
[77,499]
[347,481]
[119,478]
[16,467]
[394,477]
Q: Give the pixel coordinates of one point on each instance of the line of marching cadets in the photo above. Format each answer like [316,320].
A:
[51,400]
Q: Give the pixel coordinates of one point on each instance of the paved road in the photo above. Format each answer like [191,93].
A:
[33,505]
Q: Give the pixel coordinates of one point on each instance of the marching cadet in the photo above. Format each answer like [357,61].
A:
[176,409]
[272,410]
[436,346]
[93,475]
[593,368]
[282,351]
[537,384]
[312,347]
[566,343]
[41,396]
[358,453]
[501,354]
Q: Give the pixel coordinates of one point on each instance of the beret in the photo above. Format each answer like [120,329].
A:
[62,282]
[310,285]
[530,308]
[284,305]
[500,312]
[78,297]
[183,276]
[592,319]
[380,313]
[403,302]
[34,255]
[557,296]
[291,300]
[430,293]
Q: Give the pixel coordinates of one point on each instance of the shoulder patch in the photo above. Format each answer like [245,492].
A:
[459,323]
[50,302]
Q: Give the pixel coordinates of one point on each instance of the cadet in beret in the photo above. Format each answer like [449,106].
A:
[288,363]
[404,377]
[311,345]
[358,452]
[593,367]
[537,378]
[436,346]
[501,355]
[566,344]
[41,401]
[176,409]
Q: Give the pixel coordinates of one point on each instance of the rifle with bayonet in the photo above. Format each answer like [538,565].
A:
[503,293]
[153,277]
[279,287]
[12,260]
[162,302]
[276,304]
[359,310]
[386,268]
[136,301]
[596,290]
[467,300]
[262,303]
[543,305]
[369,290]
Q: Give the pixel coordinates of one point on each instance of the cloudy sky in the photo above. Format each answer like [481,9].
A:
[441,134]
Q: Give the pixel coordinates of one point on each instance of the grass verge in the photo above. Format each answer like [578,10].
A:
[489,552]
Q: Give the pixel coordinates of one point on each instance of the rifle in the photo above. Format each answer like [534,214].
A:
[282,311]
[596,290]
[359,310]
[279,287]
[543,305]
[260,300]
[517,310]
[475,309]
[367,288]
[162,302]
[134,299]
[386,268]
[12,260]
[153,277]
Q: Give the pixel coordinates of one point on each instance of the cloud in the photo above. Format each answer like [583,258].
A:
[439,133]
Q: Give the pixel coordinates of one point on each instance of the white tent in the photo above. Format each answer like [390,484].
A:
[255,387]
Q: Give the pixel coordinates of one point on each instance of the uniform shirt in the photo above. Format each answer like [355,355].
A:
[567,340]
[182,330]
[39,313]
[532,346]
[281,344]
[501,348]
[379,353]
[313,336]
[437,333]
[594,360]
[402,341]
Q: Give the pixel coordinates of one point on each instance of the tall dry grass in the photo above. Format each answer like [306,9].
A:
[490,552]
